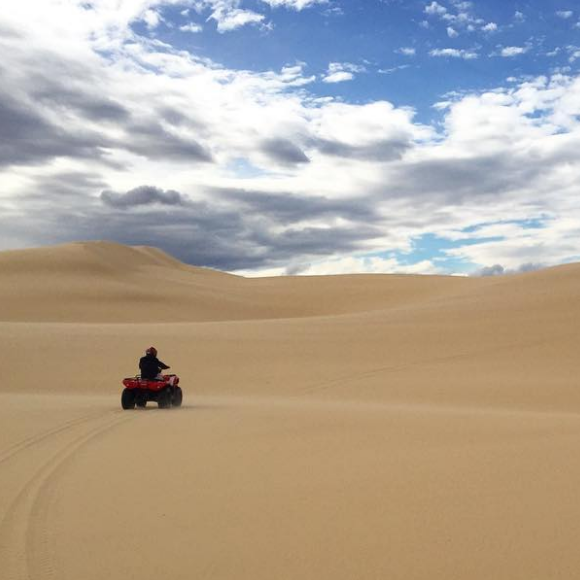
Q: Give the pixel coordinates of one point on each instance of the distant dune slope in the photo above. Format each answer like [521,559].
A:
[107,282]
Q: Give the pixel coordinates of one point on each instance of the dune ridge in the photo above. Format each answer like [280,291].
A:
[106,282]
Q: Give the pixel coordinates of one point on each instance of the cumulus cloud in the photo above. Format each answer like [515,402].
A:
[339,72]
[435,9]
[564,14]
[191,27]
[489,27]
[229,19]
[407,51]
[152,19]
[511,51]
[339,76]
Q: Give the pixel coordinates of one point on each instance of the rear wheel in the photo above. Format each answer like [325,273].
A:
[164,400]
[128,399]
[177,398]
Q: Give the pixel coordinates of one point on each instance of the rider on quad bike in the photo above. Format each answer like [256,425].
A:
[151,385]
[150,366]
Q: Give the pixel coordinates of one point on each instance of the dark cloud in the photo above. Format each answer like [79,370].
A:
[52,94]
[178,118]
[321,241]
[231,230]
[143,195]
[28,139]
[387,150]
[284,151]
[151,139]
[65,188]
[495,270]
[459,180]
[51,115]
[499,270]
[290,208]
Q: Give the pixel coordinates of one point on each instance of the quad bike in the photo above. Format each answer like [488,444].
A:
[165,391]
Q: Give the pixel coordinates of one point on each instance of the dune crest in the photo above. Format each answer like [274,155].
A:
[109,282]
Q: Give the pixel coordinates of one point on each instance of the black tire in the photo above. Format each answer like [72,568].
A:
[128,399]
[141,404]
[177,398]
[164,400]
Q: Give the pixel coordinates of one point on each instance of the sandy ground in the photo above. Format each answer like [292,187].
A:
[397,427]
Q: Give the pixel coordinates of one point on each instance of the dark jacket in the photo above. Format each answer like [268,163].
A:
[150,366]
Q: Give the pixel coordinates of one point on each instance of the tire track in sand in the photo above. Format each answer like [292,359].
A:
[27,442]
[25,538]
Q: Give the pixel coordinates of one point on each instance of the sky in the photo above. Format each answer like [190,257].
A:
[285,137]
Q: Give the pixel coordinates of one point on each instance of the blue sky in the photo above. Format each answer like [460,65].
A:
[269,137]
[377,38]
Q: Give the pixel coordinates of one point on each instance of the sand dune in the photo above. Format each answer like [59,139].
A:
[334,427]
[106,282]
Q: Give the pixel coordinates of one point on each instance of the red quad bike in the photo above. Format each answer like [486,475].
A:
[137,392]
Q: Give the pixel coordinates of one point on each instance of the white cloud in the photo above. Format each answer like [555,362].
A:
[191,27]
[519,16]
[294,4]
[338,77]
[388,71]
[363,265]
[339,72]
[510,51]
[407,51]
[454,53]
[565,14]
[462,5]
[152,19]
[460,17]
[489,27]
[574,52]
[435,9]
[230,19]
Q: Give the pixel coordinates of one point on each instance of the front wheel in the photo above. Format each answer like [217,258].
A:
[128,399]
[177,398]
